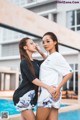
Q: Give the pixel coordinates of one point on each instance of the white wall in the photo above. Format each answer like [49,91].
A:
[61,18]
[1,34]
[67,7]
[14,64]
[71,59]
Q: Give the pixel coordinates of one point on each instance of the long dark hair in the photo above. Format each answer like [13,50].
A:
[53,37]
[24,55]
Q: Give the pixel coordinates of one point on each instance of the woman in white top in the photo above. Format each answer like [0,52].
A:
[53,71]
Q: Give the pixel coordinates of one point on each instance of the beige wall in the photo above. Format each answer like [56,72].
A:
[26,20]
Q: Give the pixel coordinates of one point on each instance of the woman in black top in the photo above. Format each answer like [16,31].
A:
[25,97]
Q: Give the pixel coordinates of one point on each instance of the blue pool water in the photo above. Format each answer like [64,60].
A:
[7,105]
[71,115]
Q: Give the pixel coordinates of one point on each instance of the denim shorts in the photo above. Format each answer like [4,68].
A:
[25,101]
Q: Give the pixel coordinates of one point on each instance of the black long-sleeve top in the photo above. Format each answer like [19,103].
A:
[27,78]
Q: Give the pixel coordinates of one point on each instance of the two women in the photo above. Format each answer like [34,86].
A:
[54,73]
[25,97]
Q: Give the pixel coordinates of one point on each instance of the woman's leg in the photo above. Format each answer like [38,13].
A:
[42,113]
[22,118]
[28,115]
[53,114]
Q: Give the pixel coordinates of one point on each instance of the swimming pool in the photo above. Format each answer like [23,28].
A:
[7,105]
[71,115]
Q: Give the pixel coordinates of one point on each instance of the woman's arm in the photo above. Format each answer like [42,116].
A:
[41,84]
[61,66]
[65,79]
[33,78]
[40,52]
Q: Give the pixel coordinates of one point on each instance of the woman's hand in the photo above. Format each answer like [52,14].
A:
[38,48]
[56,95]
[40,51]
[51,90]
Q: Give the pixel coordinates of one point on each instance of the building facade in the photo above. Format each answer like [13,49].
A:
[67,15]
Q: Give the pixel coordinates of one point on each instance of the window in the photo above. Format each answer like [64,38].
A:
[46,16]
[9,35]
[55,17]
[72,84]
[73,20]
[9,42]
[20,2]
[78,17]
[10,49]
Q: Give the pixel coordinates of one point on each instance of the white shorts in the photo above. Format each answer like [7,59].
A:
[47,101]
[25,101]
